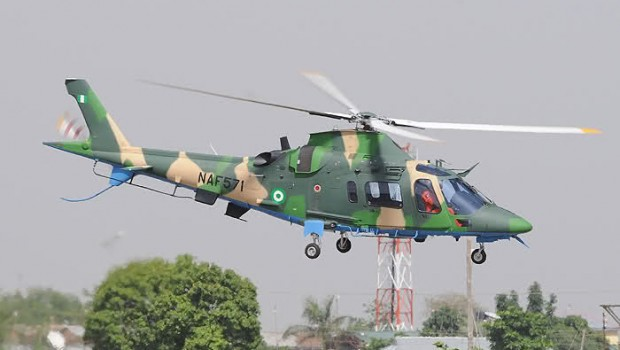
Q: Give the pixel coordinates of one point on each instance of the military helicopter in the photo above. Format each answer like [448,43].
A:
[355,182]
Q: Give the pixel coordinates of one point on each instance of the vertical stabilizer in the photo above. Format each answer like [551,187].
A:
[105,135]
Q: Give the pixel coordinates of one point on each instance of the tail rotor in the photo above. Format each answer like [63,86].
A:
[71,128]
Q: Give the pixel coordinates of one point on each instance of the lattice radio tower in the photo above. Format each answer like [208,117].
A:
[394,298]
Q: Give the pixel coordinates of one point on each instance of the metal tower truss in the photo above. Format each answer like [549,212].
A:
[611,312]
[394,297]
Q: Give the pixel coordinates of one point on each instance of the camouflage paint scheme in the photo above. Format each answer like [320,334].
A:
[309,183]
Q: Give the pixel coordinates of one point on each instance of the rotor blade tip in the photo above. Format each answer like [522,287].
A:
[591,131]
[310,73]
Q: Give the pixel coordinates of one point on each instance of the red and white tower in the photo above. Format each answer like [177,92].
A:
[394,298]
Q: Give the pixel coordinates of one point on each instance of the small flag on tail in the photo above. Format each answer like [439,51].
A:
[69,128]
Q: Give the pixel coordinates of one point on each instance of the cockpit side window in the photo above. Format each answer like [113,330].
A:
[461,197]
[384,194]
[425,197]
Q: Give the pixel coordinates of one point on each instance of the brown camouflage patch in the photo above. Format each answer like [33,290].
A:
[391,218]
[351,145]
[252,191]
[184,170]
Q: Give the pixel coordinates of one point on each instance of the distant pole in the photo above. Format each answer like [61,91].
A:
[583,339]
[275,325]
[470,299]
[604,335]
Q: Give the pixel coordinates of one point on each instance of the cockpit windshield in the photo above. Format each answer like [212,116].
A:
[461,197]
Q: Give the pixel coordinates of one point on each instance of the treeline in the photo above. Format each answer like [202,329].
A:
[533,326]
[193,305]
[22,315]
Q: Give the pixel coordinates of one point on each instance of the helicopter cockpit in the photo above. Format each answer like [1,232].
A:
[461,197]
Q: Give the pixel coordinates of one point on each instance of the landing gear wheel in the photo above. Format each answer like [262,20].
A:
[478,256]
[313,251]
[343,244]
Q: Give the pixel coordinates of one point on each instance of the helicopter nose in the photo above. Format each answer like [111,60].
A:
[492,218]
[519,225]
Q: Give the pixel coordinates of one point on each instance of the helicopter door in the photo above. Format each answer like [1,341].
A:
[428,212]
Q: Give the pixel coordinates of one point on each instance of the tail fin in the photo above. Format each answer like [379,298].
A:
[105,135]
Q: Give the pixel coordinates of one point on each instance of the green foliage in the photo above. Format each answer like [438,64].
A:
[535,300]
[454,301]
[518,330]
[550,305]
[4,324]
[445,321]
[321,323]
[443,346]
[537,327]
[566,333]
[39,306]
[155,304]
[504,301]
[264,346]
[34,309]
[378,344]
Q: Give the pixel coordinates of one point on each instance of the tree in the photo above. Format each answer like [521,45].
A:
[378,344]
[154,304]
[35,308]
[535,300]
[518,330]
[443,346]
[321,323]
[550,305]
[445,321]
[537,327]
[42,305]
[567,333]
[454,301]
[504,301]
[4,320]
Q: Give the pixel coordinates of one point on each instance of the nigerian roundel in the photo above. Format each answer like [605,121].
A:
[278,195]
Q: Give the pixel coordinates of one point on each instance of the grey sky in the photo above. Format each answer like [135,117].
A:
[512,62]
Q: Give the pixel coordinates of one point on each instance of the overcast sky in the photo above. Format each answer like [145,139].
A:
[511,62]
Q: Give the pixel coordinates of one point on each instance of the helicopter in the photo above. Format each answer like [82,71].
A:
[353,182]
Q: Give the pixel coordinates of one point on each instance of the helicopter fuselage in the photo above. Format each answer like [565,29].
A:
[356,182]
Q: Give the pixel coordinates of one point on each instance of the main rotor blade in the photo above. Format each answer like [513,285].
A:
[491,127]
[328,87]
[182,88]
[379,125]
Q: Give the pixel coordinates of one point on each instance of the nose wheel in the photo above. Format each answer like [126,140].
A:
[343,244]
[313,250]
[478,255]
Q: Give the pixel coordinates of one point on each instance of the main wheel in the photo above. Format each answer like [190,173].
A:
[478,256]
[343,244]
[313,251]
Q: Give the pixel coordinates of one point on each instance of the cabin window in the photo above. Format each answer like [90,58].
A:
[384,194]
[426,199]
[352,191]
